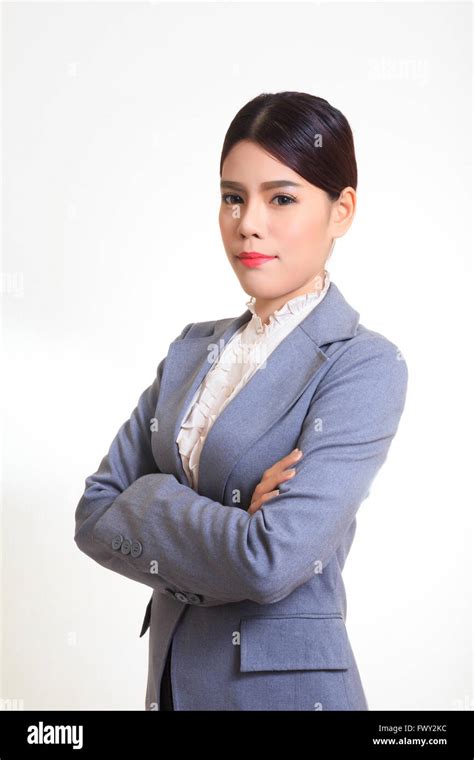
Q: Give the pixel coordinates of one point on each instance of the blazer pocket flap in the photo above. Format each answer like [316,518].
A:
[299,642]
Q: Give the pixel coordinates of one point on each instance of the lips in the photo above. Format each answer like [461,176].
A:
[254,259]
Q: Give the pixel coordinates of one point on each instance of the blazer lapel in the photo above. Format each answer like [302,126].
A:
[187,363]
[268,394]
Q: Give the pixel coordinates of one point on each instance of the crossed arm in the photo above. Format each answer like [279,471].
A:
[224,553]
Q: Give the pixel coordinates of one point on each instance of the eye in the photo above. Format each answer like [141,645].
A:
[288,197]
[228,195]
[231,200]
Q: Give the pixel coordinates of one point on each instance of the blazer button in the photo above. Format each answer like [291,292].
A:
[117,541]
[181,596]
[195,598]
[136,549]
[126,546]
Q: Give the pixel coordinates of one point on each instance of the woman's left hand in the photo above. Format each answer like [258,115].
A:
[272,477]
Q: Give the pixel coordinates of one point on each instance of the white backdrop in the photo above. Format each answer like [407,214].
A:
[113,120]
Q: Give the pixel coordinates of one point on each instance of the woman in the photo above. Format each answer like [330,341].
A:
[233,488]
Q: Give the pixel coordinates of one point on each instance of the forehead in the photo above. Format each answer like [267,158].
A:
[248,156]
[249,166]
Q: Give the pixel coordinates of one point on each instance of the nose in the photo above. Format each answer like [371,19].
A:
[251,220]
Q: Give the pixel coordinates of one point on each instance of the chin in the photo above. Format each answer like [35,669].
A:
[265,293]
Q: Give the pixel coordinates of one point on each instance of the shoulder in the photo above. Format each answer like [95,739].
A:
[204,329]
[368,358]
[368,343]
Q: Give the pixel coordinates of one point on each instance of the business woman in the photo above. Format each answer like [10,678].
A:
[232,489]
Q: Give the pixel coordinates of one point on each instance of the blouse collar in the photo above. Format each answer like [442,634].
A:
[293,306]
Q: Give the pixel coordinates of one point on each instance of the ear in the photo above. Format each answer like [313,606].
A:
[343,212]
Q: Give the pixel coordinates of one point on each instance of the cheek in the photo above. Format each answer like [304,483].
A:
[302,228]
[229,217]
[224,222]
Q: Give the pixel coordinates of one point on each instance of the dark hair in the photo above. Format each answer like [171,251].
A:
[286,125]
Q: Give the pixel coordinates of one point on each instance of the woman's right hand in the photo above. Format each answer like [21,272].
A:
[272,477]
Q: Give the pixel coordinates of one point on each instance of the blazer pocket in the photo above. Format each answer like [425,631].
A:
[309,641]
[146,619]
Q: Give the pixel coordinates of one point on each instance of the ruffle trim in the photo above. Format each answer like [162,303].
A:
[226,377]
[293,306]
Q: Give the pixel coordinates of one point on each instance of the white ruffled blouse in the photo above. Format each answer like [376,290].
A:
[242,356]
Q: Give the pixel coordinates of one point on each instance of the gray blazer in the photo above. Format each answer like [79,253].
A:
[254,605]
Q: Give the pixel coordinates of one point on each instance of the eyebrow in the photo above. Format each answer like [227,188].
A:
[264,186]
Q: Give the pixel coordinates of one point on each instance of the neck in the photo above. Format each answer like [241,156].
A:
[265,307]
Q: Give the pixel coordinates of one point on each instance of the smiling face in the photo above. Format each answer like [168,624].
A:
[268,208]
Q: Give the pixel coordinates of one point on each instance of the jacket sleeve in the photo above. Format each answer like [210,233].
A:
[221,551]
[129,458]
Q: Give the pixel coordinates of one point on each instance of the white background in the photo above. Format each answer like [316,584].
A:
[113,120]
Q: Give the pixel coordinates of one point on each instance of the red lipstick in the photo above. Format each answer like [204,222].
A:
[253,259]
